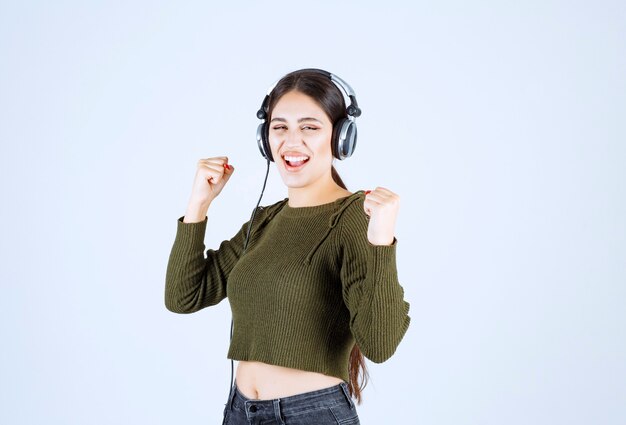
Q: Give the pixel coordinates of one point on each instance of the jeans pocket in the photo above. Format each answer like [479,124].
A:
[345,415]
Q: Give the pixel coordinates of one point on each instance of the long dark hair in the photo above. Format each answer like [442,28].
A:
[328,96]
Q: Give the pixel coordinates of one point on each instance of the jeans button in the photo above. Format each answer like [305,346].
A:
[253,408]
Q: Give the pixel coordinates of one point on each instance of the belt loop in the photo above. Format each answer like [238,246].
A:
[344,388]
[277,412]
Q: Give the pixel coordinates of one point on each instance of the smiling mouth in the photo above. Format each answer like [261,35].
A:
[295,162]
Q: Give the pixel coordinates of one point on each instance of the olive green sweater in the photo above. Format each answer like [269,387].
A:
[307,287]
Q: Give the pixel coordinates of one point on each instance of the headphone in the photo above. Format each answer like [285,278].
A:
[344,131]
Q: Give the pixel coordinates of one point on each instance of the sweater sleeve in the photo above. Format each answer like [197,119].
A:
[378,312]
[194,281]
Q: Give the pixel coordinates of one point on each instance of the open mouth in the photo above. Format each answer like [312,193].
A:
[295,162]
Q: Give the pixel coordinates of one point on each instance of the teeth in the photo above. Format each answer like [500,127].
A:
[296,158]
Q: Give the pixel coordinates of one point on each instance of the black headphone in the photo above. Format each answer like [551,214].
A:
[344,131]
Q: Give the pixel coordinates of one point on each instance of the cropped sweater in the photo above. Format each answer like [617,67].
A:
[308,287]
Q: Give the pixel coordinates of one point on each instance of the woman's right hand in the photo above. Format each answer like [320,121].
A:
[212,175]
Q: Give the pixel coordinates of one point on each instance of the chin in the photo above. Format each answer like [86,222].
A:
[303,178]
[294,182]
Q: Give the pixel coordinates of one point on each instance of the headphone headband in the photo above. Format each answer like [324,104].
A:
[352,109]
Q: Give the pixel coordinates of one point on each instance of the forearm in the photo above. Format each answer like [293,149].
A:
[380,318]
[196,212]
[192,281]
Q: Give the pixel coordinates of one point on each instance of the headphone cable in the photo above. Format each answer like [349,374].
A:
[245,246]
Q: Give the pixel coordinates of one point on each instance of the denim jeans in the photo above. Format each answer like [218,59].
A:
[331,405]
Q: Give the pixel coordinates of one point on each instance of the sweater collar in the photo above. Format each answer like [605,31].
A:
[336,205]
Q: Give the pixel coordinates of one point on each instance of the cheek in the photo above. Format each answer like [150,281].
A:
[325,145]
[273,145]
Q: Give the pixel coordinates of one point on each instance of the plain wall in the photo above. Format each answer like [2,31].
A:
[500,124]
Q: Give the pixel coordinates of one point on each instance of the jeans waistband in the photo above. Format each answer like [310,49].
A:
[326,397]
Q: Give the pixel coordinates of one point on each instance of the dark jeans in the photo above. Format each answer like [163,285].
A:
[331,405]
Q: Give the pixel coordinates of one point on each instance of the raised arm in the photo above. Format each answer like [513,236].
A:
[378,312]
[195,281]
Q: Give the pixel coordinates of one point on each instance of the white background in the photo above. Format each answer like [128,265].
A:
[500,124]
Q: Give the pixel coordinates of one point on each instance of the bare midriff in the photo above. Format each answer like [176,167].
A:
[262,381]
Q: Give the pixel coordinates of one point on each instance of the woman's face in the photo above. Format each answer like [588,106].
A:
[299,135]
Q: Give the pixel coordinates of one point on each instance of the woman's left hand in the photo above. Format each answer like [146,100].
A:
[382,206]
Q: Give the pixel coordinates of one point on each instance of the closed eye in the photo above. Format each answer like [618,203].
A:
[306,127]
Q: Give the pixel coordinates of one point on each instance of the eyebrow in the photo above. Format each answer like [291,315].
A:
[300,120]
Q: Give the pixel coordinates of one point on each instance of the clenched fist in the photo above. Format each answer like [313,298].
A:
[211,176]
[382,207]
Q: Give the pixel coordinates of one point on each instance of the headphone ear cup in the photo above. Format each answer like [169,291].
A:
[263,142]
[344,138]
[261,139]
[266,142]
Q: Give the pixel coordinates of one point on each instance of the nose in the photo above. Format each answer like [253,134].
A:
[293,134]
[293,138]
[290,139]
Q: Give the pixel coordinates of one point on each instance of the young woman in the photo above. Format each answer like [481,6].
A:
[313,285]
